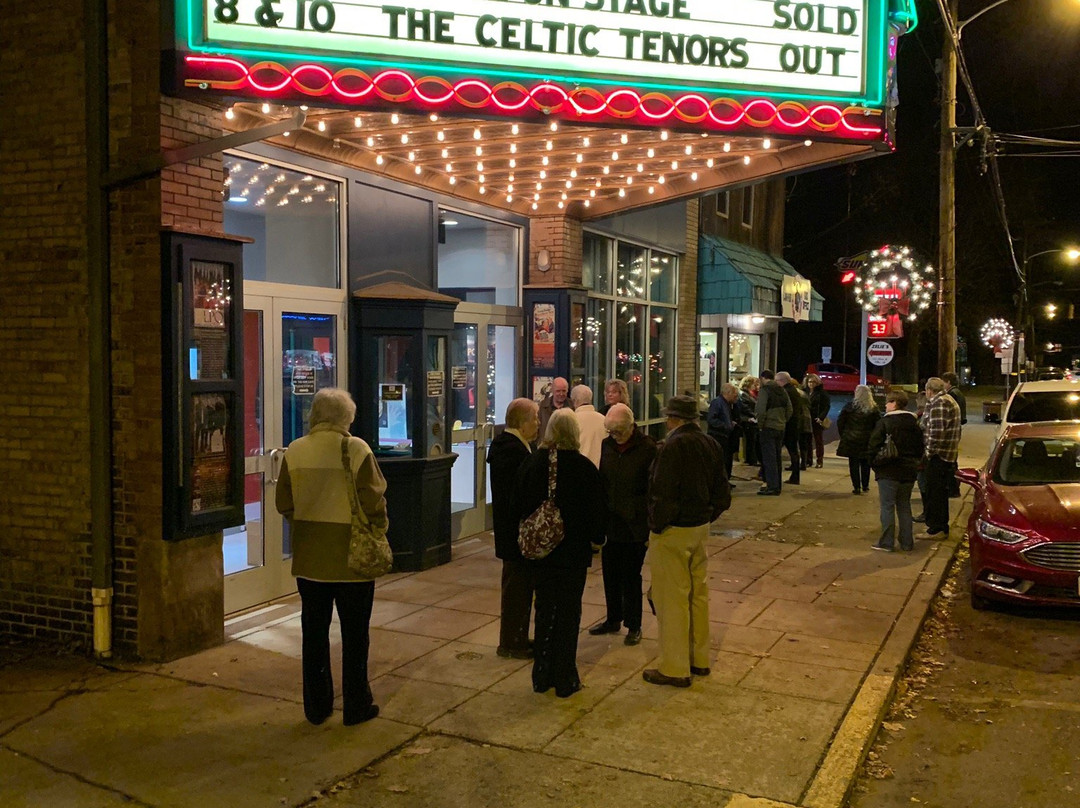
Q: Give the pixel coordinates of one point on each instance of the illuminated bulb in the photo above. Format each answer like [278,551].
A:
[357,121]
[513,148]
[379,159]
[586,203]
[573,173]
[480,166]
[689,150]
[509,198]
[510,187]
[663,135]
[514,129]
[808,143]
[650,153]
[449,167]
[230,114]
[564,195]
[322,126]
[710,162]
[483,190]
[629,180]
[569,184]
[623,138]
[395,118]
[614,156]
[660,179]
[433,117]
[404,138]
[419,170]
[285,134]
[560,205]
[513,163]
[371,142]
[476,134]
[580,158]
[640,167]
[536,197]
[746,160]
[607,169]
[453,180]
[510,178]
[543,174]
[674,165]
[598,183]
[539,186]
[727,147]
[550,145]
[622,192]
[479,150]
[554,126]
[266,109]
[592,193]
[481,178]
[586,141]
[445,153]
[651,189]
[544,160]
[535,206]
[440,136]
[693,176]
[766,143]
[412,157]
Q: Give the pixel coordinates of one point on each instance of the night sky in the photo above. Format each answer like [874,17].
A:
[1024,61]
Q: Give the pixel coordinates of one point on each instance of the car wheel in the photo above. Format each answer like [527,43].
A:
[978,602]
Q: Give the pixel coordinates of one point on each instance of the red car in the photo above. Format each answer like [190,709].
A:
[1024,530]
[836,378]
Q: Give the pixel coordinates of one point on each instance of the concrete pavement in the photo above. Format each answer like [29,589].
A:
[810,630]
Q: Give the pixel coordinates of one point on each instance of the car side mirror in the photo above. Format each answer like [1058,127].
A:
[969,476]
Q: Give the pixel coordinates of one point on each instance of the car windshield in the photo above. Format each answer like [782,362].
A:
[1057,405]
[1039,461]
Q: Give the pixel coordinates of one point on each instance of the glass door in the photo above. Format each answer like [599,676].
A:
[484,379]
[292,347]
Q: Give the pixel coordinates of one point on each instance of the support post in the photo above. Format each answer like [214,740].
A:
[947,203]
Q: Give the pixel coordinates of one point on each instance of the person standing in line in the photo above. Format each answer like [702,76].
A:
[920,414]
[508,452]
[806,429]
[942,431]
[721,424]
[590,421]
[819,412]
[687,491]
[792,426]
[557,399]
[773,409]
[896,476]
[560,576]
[856,423]
[952,389]
[615,392]
[312,494]
[626,457]
[744,408]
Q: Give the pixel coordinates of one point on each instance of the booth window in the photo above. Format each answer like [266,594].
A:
[723,202]
[744,356]
[629,328]
[395,393]
[748,206]
[478,259]
[293,219]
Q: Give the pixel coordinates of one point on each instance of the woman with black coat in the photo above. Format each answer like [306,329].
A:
[819,412]
[745,409]
[560,576]
[896,476]
[856,422]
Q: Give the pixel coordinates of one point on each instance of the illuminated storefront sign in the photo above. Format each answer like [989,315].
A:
[648,60]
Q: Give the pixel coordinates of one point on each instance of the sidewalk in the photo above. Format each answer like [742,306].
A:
[810,630]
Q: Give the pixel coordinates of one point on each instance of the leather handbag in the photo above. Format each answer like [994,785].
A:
[888,452]
[370,555]
[542,530]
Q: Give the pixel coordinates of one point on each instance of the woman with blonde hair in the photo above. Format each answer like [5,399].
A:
[819,412]
[745,406]
[856,423]
[615,392]
[560,576]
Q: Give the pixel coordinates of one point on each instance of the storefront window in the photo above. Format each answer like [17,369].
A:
[294,220]
[597,344]
[661,359]
[630,353]
[661,277]
[596,264]
[707,358]
[478,259]
[630,271]
[744,356]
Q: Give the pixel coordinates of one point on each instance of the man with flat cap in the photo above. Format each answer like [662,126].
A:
[688,489]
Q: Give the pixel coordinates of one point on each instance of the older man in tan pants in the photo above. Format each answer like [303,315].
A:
[688,489]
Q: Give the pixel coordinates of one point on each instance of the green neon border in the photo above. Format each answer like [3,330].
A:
[189,20]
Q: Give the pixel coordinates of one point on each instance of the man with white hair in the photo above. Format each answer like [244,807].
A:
[941,427]
[555,400]
[590,421]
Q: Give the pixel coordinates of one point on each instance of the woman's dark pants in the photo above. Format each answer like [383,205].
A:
[859,469]
[558,621]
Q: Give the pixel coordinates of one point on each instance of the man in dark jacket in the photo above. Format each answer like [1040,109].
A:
[626,456]
[951,381]
[508,452]
[799,407]
[773,411]
[688,489]
[722,424]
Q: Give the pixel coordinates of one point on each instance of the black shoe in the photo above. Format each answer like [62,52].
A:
[541,687]
[789,468]
[791,481]
[605,627]
[633,637]
[866,489]
[318,719]
[514,653]
[699,671]
[920,518]
[654,677]
[881,547]
[856,491]
[367,715]
[768,492]
[567,692]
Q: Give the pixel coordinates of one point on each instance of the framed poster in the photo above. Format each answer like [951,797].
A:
[202,446]
[543,329]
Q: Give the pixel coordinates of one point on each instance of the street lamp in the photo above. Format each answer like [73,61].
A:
[1025,319]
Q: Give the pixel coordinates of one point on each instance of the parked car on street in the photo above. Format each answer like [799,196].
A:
[1042,401]
[838,378]
[1024,530]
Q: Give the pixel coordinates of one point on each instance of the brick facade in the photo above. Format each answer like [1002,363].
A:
[561,237]
[686,345]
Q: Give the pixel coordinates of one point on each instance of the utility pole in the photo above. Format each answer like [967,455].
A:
[947,202]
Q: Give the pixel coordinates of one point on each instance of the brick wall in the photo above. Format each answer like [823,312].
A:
[561,237]
[687,337]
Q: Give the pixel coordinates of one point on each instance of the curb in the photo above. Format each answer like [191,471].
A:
[838,771]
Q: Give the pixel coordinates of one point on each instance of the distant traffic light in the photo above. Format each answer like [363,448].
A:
[848,276]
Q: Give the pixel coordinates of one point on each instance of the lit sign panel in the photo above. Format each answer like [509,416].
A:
[877,327]
[672,58]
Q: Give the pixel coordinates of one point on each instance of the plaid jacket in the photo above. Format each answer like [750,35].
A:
[941,424]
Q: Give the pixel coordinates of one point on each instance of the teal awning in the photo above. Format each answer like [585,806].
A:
[734,278]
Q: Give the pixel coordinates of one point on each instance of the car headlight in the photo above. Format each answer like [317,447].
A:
[993,532]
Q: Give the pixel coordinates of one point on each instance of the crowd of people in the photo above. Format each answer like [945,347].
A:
[620,494]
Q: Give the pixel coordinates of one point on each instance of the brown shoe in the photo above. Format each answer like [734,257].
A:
[654,677]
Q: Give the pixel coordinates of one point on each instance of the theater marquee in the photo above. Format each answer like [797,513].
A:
[660,62]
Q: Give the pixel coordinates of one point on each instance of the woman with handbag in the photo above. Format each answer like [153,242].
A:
[856,422]
[313,494]
[896,445]
[578,491]
[819,412]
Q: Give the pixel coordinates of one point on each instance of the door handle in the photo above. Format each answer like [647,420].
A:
[276,458]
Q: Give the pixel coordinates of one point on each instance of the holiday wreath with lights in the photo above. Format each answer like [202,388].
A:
[996,333]
[894,284]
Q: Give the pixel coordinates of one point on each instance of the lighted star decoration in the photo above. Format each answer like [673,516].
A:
[895,282]
[996,333]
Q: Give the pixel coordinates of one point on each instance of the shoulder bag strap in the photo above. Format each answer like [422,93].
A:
[350,481]
[553,457]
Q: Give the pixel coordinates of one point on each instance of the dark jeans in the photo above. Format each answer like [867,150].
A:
[558,621]
[622,582]
[939,477]
[750,444]
[895,499]
[819,443]
[791,443]
[516,606]
[353,601]
[771,442]
[859,469]
[806,448]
